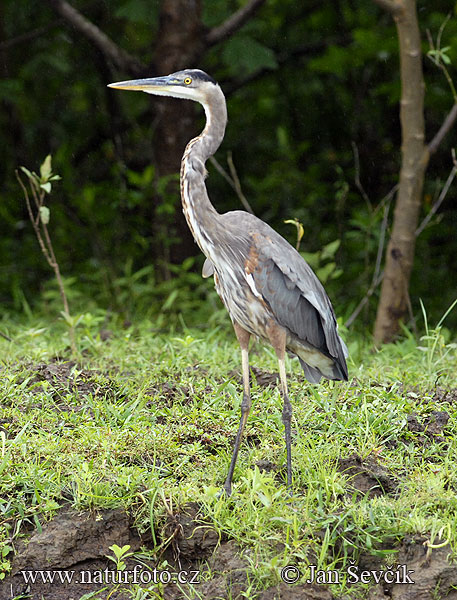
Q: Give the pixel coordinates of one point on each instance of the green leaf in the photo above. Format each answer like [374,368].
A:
[29,174]
[329,250]
[46,169]
[324,272]
[46,187]
[243,53]
[44,214]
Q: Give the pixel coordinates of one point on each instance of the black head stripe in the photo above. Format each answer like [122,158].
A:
[201,75]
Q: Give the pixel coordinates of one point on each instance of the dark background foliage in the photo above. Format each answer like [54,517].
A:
[312,90]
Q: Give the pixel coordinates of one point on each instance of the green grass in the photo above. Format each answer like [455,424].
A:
[152,421]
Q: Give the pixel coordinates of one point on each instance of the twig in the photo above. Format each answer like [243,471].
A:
[436,58]
[47,247]
[377,274]
[441,29]
[7,338]
[364,300]
[233,182]
[43,248]
[122,59]
[382,239]
[441,197]
[443,130]
[233,23]
[28,36]
[357,181]
[236,181]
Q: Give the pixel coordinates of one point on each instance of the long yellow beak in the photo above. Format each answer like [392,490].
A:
[152,85]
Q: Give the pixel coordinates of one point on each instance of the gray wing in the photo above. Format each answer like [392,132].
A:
[294,293]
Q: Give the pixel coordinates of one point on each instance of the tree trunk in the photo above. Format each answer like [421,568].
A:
[394,301]
[179,43]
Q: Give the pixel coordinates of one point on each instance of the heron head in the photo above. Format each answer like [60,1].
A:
[191,84]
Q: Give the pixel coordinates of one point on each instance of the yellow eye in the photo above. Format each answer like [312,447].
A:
[187,80]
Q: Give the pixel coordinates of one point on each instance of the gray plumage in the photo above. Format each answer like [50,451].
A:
[266,286]
[295,296]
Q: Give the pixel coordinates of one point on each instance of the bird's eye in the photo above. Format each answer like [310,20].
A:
[187,80]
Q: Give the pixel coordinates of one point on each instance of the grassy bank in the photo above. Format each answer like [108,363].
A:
[145,422]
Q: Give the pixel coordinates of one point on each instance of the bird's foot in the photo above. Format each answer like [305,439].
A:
[225,492]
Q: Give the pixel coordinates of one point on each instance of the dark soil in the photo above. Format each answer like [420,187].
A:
[79,542]
[367,476]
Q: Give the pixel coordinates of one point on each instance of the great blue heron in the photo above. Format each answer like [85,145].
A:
[264,283]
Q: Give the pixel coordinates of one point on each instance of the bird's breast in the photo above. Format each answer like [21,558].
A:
[243,302]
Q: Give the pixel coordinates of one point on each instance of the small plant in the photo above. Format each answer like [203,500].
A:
[119,555]
[41,185]
[323,262]
[440,57]
[5,564]
[436,349]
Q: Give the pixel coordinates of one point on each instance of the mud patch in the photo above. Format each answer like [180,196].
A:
[367,476]
[432,573]
[80,542]
[443,395]
[191,538]
[262,378]
[74,542]
[63,377]
[430,427]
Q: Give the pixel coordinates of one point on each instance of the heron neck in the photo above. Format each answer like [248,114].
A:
[216,119]
[200,214]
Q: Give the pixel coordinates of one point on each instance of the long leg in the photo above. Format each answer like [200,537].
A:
[277,337]
[243,339]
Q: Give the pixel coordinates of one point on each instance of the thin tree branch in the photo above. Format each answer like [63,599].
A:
[34,224]
[120,58]
[29,35]
[233,23]
[357,181]
[236,181]
[382,239]
[443,130]
[233,181]
[441,197]
[378,275]
[3,335]
[389,5]
[364,300]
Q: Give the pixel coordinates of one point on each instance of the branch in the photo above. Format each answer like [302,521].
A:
[121,59]
[441,197]
[389,5]
[232,179]
[233,23]
[443,130]
[378,275]
[364,300]
[357,181]
[29,35]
